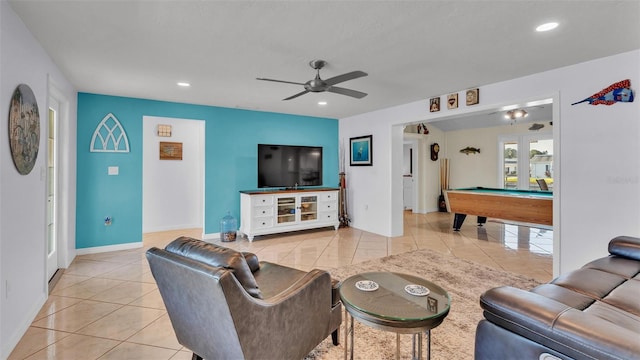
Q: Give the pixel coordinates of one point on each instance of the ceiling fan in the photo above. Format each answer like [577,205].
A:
[319,85]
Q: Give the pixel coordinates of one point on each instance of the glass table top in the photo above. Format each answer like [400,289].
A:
[390,301]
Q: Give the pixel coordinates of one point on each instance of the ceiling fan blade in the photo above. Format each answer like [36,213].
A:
[345,77]
[296,95]
[348,92]
[281,81]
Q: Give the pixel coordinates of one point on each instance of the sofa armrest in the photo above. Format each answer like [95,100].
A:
[562,328]
[626,246]
[307,303]
[313,281]
[252,261]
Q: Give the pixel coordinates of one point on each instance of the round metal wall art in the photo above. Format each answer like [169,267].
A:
[24,129]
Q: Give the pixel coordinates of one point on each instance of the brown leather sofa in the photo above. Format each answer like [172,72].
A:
[589,313]
[224,304]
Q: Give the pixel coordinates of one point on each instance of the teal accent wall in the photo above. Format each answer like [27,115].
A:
[231,138]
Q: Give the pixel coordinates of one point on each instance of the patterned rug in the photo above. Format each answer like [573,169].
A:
[454,338]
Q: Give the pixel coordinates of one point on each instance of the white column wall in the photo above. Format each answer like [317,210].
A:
[23,245]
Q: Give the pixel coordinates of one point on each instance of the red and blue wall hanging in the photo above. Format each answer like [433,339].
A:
[618,92]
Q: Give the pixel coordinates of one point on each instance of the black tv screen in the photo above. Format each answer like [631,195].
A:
[289,166]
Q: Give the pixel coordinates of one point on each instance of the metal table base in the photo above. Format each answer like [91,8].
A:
[416,341]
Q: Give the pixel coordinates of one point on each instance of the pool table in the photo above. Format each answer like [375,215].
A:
[529,206]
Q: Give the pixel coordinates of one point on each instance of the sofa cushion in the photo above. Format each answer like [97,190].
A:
[218,256]
[274,279]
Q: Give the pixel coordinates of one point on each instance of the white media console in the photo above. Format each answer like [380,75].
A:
[265,212]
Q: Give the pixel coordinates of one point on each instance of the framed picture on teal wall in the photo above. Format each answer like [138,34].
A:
[361,151]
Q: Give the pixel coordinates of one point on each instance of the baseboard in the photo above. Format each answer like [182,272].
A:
[211,236]
[20,329]
[101,249]
[169,228]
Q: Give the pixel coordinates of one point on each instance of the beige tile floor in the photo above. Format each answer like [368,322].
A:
[107,306]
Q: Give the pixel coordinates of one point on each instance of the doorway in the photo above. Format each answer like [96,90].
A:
[171,200]
[488,116]
[409,177]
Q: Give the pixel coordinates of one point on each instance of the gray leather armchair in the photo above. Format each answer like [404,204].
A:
[224,304]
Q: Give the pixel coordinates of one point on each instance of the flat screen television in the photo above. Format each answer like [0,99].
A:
[289,166]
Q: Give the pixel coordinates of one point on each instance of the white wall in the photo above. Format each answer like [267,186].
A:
[595,198]
[22,197]
[173,190]
[480,169]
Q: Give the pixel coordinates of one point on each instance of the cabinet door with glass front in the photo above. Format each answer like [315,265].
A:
[286,209]
[308,208]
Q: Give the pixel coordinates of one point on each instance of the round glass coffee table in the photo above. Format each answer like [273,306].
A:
[400,303]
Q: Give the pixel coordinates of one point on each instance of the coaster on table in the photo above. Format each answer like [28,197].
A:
[416,290]
[367,285]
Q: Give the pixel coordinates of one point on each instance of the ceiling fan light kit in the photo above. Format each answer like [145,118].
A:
[516,114]
[319,85]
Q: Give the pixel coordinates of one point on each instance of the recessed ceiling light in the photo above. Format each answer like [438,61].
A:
[322,103]
[546,27]
[184,84]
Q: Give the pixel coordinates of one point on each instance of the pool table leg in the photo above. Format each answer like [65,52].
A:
[458,219]
[482,220]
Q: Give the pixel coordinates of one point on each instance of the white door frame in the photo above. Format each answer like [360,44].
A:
[51,208]
[65,182]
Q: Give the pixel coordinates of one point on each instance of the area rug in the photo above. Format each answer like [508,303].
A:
[454,338]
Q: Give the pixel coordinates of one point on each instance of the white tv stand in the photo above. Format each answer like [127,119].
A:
[265,212]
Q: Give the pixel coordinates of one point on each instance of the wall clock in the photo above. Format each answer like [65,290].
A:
[24,129]
[435,148]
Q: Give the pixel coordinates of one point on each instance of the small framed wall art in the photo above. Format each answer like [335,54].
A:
[473,96]
[452,101]
[434,104]
[170,150]
[361,150]
[164,130]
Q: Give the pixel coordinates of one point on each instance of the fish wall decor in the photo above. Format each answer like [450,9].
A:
[617,92]
[470,150]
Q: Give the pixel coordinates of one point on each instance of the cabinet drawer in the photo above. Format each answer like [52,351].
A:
[262,223]
[327,216]
[262,200]
[260,211]
[327,206]
[328,196]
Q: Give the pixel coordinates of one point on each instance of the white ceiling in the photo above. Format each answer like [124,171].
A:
[412,50]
